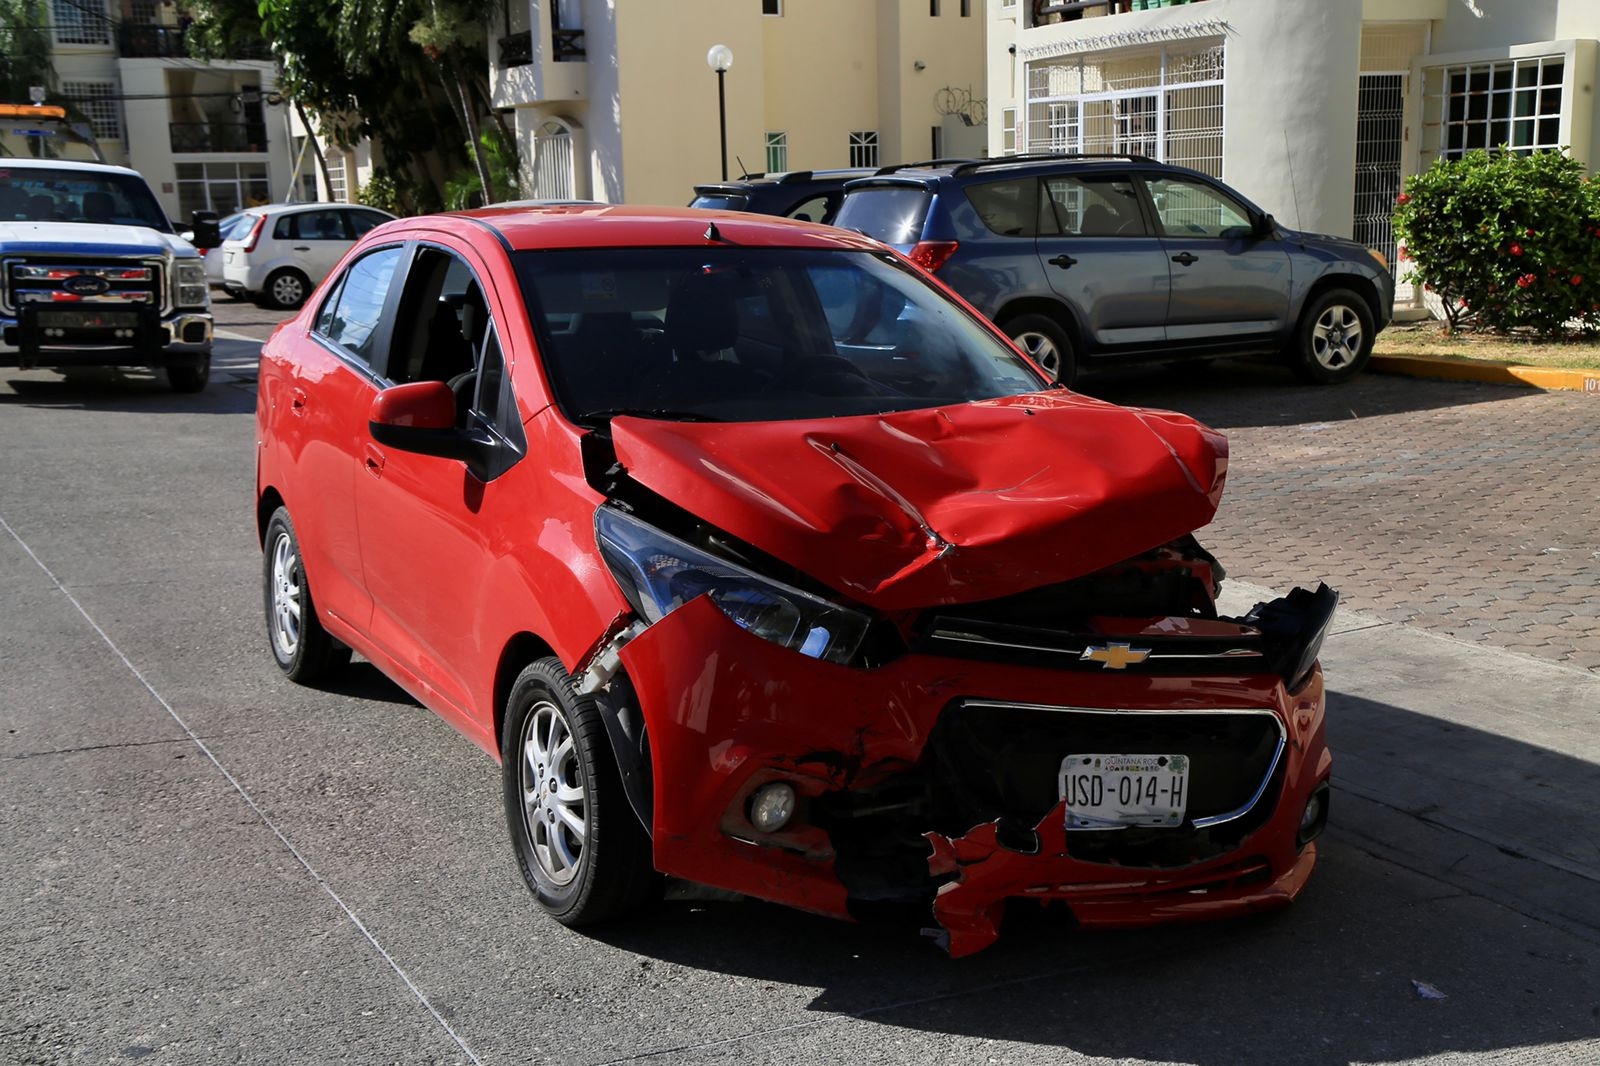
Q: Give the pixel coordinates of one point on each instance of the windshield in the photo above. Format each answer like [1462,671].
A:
[66,195]
[719,201]
[755,334]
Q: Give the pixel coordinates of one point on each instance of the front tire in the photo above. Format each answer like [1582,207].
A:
[1334,338]
[579,845]
[1044,341]
[304,651]
[190,376]
[285,289]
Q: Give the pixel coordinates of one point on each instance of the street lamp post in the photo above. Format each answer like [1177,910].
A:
[719,59]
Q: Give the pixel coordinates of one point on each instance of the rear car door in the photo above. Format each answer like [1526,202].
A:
[317,394]
[318,239]
[1228,283]
[434,534]
[1102,257]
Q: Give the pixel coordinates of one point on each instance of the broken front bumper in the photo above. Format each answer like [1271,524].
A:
[933,780]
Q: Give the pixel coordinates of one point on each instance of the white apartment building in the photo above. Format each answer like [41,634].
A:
[209,135]
[1315,109]
[614,99]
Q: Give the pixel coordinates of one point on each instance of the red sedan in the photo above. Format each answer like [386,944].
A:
[760,560]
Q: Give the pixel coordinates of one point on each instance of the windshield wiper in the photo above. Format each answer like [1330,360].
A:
[672,414]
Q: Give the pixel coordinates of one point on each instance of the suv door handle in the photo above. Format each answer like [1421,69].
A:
[1062,261]
[1185,258]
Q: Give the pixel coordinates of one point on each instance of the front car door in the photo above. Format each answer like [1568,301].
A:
[436,538]
[1102,257]
[1229,284]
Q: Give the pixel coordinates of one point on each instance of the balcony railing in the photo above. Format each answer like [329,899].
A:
[569,46]
[150,42]
[218,136]
[516,50]
[1048,12]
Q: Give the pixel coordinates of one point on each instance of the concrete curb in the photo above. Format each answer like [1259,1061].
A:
[1493,373]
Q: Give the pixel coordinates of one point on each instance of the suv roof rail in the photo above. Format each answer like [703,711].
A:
[1045,157]
[926,163]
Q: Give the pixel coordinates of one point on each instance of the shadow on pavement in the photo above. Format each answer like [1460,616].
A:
[1235,393]
[1331,980]
[126,389]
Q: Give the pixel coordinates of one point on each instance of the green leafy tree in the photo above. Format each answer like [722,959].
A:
[1507,241]
[24,49]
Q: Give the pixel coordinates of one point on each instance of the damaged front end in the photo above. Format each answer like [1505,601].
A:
[857,758]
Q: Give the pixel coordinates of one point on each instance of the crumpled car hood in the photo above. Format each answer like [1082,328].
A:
[943,505]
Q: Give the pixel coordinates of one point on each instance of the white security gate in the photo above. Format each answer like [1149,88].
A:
[553,174]
[1380,125]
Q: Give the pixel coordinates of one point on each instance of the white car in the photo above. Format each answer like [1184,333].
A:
[284,250]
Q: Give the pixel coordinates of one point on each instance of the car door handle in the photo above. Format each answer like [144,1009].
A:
[297,401]
[1185,258]
[302,248]
[1062,261]
[374,461]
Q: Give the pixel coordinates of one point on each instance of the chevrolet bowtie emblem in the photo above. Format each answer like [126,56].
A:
[1115,656]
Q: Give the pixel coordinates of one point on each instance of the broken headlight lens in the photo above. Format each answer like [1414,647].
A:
[659,573]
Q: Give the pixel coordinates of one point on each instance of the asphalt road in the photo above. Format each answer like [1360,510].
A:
[207,864]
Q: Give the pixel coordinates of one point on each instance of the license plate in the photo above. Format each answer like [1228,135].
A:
[88,320]
[1108,791]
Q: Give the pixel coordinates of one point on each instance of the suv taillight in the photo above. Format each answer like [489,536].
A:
[255,233]
[931,255]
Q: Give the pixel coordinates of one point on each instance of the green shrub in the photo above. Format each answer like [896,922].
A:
[381,192]
[1508,241]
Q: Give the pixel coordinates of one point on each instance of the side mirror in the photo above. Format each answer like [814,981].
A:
[421,417]
[1265,225]
[205,231]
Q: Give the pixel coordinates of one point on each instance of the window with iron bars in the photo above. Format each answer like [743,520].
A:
[81,21]
[1516,102]
[864,148]
[101,105]
[1163,102]
[777,151]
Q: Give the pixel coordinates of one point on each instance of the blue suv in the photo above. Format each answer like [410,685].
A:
[1090,261]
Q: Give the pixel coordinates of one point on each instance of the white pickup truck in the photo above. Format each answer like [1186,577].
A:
[93,274]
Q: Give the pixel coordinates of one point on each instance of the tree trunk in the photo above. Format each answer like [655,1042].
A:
[316,146]
[474,142]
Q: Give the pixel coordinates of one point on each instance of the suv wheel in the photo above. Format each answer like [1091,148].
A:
[285,289]
[1044,341]
[189,376]
[1334,338]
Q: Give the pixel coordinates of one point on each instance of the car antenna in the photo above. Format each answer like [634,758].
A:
[744,171]
[712,233]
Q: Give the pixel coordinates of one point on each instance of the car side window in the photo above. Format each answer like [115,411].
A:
[363,222]
[812,210]
[1006,207]
[1192,209]
[320,226]
[1094,205]
[352,318]
[283,229]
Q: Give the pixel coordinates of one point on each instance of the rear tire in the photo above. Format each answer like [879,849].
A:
[1044,341]
[578,843]
[285,289]
[1334,338]
[304,651]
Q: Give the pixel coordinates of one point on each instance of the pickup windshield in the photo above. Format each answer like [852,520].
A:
[755,334]
[68,195]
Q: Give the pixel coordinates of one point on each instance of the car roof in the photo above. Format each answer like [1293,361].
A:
[310,205]
[628,226]
[1051,162]
[788,177]
[19,163]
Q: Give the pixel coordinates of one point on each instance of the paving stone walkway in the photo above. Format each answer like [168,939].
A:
[1471,510]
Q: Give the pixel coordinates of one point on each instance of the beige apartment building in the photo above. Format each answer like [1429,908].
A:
[614,99]
[1316,109]
[206,136]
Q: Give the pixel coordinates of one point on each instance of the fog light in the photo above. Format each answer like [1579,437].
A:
[772,806]
[1315,817]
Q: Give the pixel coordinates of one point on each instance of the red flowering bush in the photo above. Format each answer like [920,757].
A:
[1515,238]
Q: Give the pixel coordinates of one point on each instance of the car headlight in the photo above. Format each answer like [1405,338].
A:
[189,276]
[658,573]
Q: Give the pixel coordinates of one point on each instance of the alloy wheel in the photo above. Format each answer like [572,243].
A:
[285,597]
[287,291]
[1041,350]
[1336,338]
[554,807]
